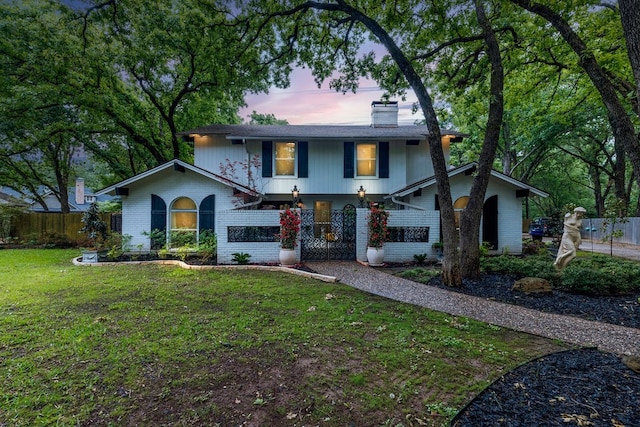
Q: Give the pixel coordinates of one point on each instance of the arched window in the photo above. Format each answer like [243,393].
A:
[458,206]
[184,222]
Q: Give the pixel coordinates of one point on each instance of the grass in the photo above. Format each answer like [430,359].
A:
[159,345]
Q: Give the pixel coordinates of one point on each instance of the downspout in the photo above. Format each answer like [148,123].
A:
[396,201]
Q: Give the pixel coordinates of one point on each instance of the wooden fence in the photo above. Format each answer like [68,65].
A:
[36,224]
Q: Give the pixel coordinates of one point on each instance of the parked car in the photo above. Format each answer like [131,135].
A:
[544,226]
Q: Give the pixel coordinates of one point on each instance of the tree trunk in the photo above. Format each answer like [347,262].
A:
[630,18]
[471,216]
[597,190]
[451,272]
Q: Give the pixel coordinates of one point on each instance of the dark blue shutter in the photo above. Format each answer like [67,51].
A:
[303,159]
[158,213]
[267,159]
[349,159]
[383,168]
[208,213]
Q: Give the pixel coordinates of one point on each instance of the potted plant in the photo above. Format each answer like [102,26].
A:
[96,231]
[289,229]
[378,235]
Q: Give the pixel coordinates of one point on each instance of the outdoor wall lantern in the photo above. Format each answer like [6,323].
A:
[361,193]
[295,194]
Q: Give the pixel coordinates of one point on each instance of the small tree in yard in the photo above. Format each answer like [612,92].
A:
[94,227]
[614,214]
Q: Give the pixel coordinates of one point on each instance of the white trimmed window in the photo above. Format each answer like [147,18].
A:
[366,159]
[285,159]
[184,222]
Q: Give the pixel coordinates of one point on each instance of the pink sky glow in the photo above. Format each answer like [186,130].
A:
[304,104]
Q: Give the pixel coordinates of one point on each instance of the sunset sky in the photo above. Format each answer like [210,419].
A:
[303,103]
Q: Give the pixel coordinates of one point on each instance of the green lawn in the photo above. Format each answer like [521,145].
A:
[160,345]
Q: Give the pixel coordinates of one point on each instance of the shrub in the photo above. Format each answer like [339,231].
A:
[420,258]
[207,245]
[538,266]
[601,275]
[51,239]
[157,238]
[590,274]
[420,275]
[534,247]
[241,257]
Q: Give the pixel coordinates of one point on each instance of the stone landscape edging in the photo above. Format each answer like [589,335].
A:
[322,277]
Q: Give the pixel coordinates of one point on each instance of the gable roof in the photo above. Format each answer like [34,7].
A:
[179,165]
[465,169]
[302,132]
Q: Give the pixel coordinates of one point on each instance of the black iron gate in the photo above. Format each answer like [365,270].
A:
[328,235]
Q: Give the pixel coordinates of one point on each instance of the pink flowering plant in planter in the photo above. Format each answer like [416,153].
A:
[289,228]
[378,230]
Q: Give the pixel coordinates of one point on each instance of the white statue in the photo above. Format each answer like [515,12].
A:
[570,237]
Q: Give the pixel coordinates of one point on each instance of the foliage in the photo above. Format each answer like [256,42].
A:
[289,228]
[420,275]
[243,172]
[241,257]
[591,274]
[534,266]
[485,247]
[419,258]
[7,215]
[80,343]
[207,245]
[117,81]
[377,227]
[180,238]
[47,240]
[158,238]
[265,119]
[94,227]
[117,244]
[534,247]
[601,275]
[110,206]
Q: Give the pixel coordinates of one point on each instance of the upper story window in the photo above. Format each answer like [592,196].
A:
[285,159]
[366,159]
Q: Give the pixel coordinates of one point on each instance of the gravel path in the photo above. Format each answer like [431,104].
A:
[607,337]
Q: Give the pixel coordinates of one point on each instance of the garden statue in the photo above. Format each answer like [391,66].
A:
[570,237]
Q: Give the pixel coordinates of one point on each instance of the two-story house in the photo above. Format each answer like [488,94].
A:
[330,172]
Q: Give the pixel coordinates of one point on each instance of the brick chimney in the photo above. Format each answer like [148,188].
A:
[384,114]
[80,191]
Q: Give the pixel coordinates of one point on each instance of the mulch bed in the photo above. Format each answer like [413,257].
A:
[583,387]
[618,310]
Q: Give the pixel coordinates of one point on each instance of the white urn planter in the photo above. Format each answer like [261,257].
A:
[375,256]
[287,257]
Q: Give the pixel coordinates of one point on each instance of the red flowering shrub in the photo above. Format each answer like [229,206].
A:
[289,228]
[378,231]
